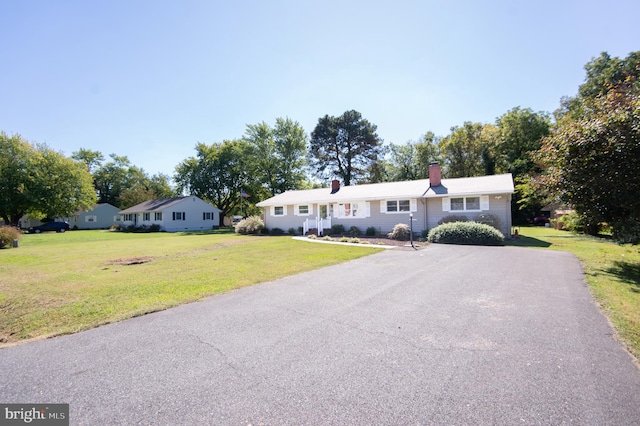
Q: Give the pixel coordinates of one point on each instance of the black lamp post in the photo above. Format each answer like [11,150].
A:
[411,228]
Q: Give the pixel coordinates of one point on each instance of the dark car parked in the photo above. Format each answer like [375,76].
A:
[540,220]
[50,226]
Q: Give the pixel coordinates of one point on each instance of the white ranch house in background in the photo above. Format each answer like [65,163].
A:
[383,205]
[173,214]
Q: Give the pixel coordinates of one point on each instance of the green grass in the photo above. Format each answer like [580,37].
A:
[612,272]
[63,283]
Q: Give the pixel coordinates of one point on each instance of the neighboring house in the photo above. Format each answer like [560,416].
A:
[102,216]
[383,205]
[173,214]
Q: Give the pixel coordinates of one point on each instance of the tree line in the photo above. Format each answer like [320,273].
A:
[583,155]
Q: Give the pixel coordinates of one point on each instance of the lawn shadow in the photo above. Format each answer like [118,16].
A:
[523,241]
[627,272]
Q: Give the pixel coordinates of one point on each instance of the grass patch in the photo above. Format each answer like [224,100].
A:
[63,283]
[612,271]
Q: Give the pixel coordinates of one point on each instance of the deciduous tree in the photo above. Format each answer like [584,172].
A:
[593,162]
[217,174]
[39,181]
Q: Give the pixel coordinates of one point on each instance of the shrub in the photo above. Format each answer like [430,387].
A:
[250,225]
[572,222]
[344,240]
[327,238]
[276,231]
[154,228]
[291,231]
[371,231]
[7,235]
[626,231]
[337,229]
[488,219]
[400,232]
[453,218]
[466,233]
[354,231]
[312,236]
[354,240]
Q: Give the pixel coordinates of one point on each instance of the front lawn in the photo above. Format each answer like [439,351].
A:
[63,283]
[612,271]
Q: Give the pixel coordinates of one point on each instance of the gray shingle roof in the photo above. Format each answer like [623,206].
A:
[153,205]
[494,184]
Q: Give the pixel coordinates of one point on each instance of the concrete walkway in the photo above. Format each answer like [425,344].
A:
[444,335]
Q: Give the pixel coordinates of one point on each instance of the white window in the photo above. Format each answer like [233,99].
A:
[90,218]
[398,206]
[179,216]
[465,204]
[278,210]
[146,217]
[208,215]
[157,216]
[302,210]
[355,209]
[128,217]
[117,218]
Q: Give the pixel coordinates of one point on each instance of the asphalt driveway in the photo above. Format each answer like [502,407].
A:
[444,335]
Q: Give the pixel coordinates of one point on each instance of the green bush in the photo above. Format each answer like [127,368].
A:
[7,235]
[337,229]
[354,231]
[400,232]
[276,231]
[292,231]
[572,222]
[371,231]
[466,233]
[250,225]
[488,219]
[453,218]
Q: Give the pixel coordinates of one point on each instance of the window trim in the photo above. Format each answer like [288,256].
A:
[384,205]
[362,207]
[483,203]
[273,211]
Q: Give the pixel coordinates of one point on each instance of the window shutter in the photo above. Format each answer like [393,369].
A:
[383,206]
[446,204]
[184,216]
[484,202]
[414,205]
[203,216]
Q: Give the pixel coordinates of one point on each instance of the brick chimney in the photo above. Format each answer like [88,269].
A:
[335,186]
[435,174]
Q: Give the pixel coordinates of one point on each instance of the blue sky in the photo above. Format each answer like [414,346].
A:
[150,79]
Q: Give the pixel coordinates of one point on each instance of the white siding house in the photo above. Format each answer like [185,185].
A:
[173,214]
[383,205]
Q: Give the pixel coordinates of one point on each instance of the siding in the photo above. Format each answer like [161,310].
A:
[429,213]
[499,205]
[383,222]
